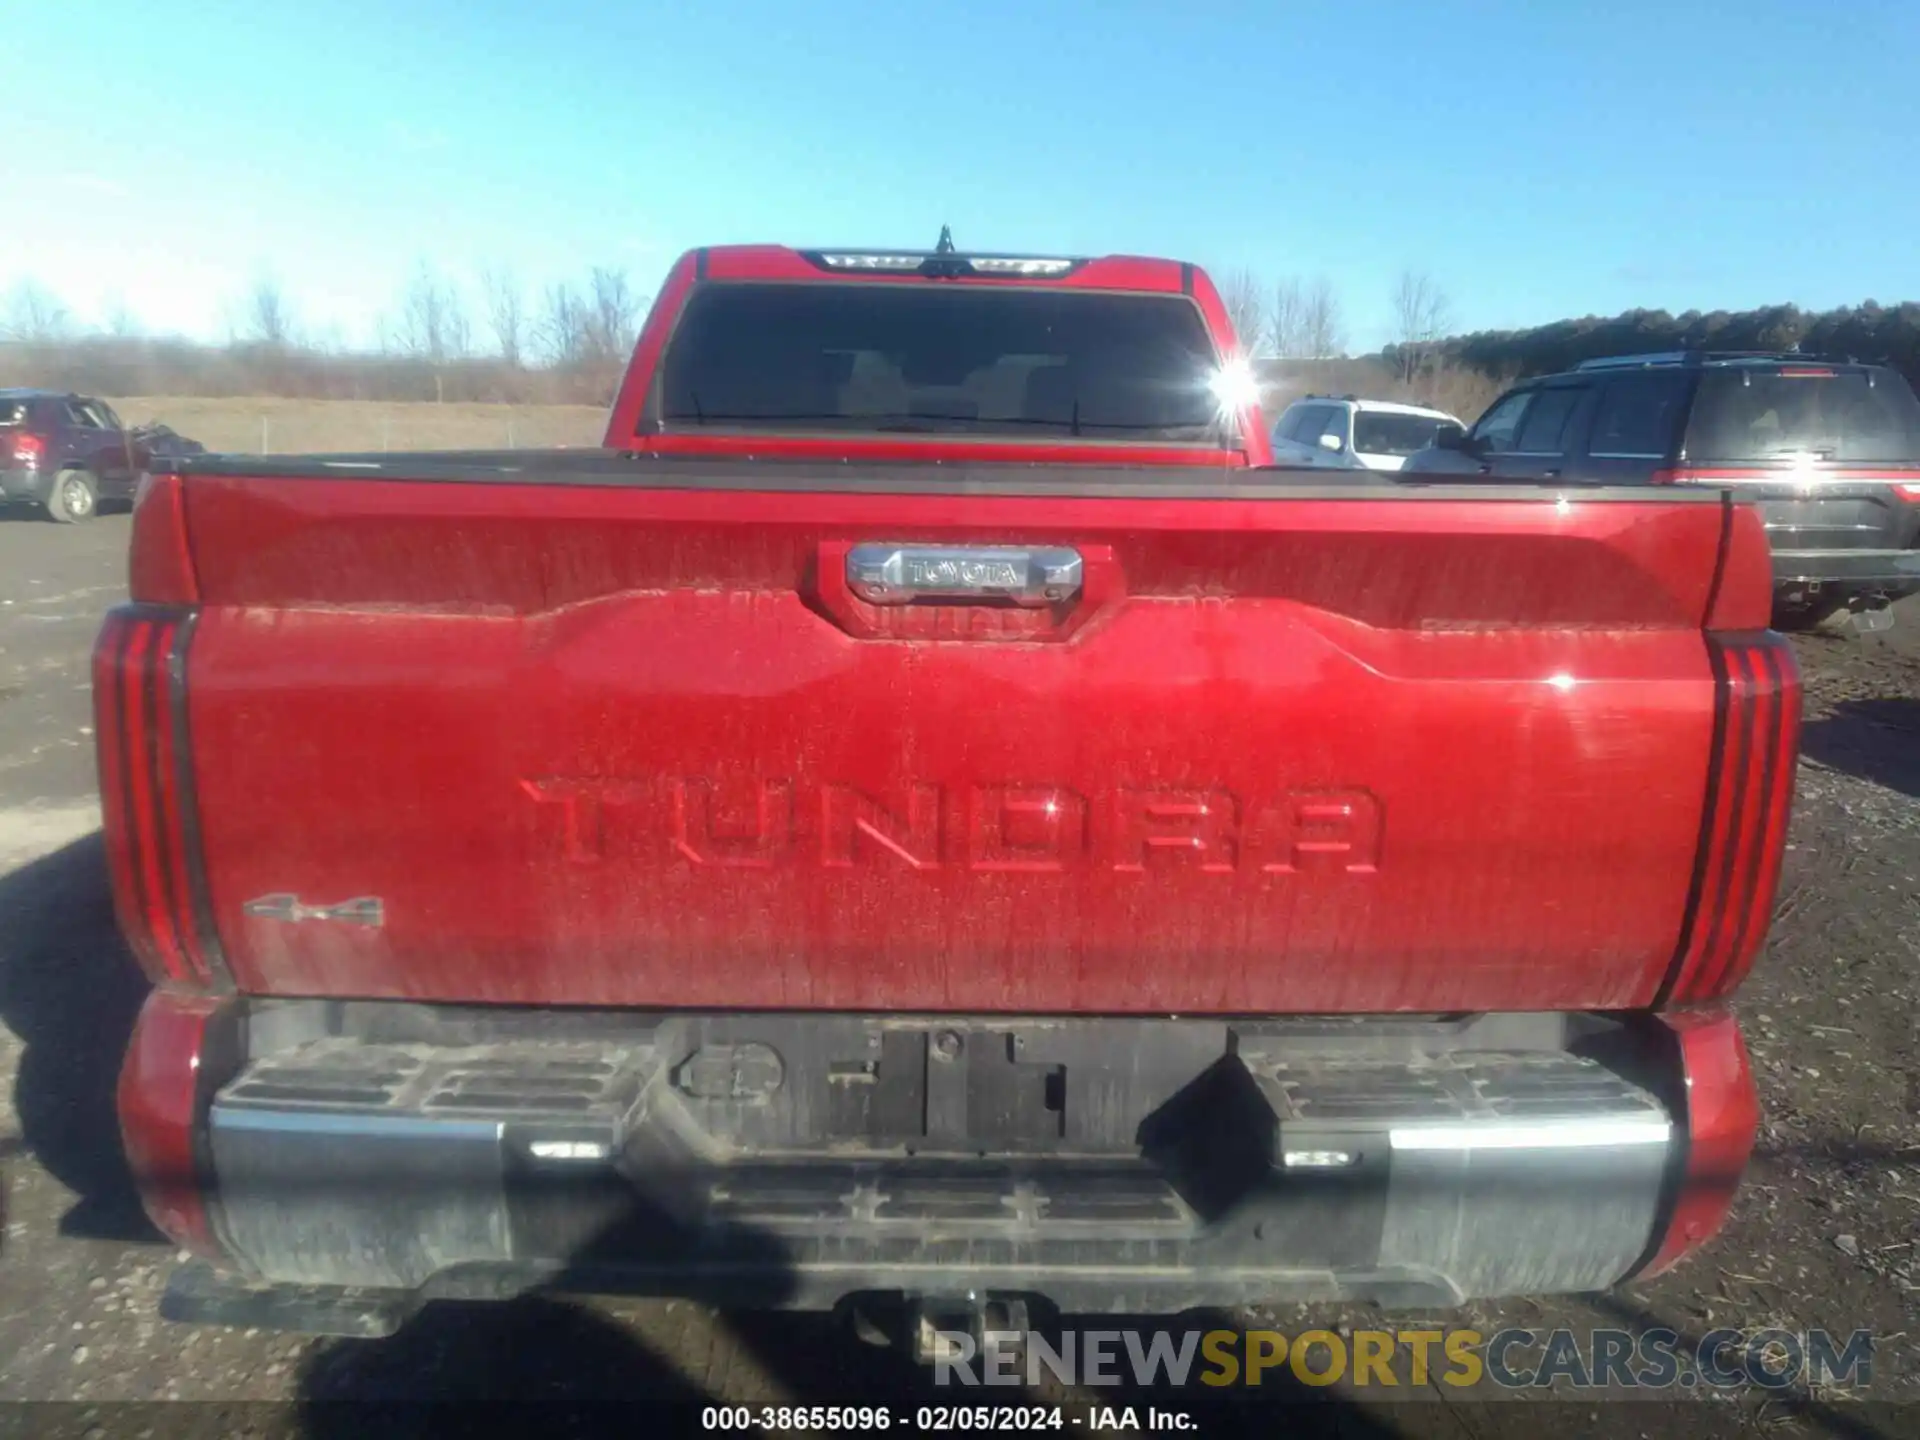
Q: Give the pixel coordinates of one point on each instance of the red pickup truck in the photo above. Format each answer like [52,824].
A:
[929,810]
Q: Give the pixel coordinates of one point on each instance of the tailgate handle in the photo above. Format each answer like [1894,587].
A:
[883,574]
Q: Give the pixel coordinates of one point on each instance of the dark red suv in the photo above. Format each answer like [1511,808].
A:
[68,453]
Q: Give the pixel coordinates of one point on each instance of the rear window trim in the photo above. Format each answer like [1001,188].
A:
[948,439]
[966,478]
[1228,437]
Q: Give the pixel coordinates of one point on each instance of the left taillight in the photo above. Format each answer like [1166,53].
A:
[147,796]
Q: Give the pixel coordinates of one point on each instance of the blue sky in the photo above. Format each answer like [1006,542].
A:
[1539,159]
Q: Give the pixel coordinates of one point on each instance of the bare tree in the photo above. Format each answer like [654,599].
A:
[34,315]
[506,314]
[1246,306]
[1322,331]
[432,324]
[120,322]
[269,321]
[1303,320]
[614,315]
[1285,317]
[596,327]
[563,327]
[419,329]
[457,327]
[1422,314]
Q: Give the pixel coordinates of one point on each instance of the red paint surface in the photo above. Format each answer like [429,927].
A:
[160,1099]
[601,745]
[159,569]
[1744,597]
[1722,1117]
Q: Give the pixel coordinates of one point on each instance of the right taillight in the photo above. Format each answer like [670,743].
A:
[1756,743]
[146,796]
[27,449]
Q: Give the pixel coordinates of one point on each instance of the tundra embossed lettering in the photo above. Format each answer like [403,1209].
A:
[1028,827]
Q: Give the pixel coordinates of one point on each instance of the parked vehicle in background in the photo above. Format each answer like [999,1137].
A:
[1830,450]
[68,454]
[1348,433]
[927,812]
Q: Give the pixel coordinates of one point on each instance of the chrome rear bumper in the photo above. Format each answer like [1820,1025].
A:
[792,1160]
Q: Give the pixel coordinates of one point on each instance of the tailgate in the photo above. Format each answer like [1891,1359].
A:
[590,740]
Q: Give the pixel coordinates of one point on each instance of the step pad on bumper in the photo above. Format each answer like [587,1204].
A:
[794,1159]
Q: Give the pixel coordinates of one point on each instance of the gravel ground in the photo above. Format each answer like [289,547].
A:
[1825,1233]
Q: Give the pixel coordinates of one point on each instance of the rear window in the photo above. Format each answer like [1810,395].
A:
[1832,414]
[13,412]
[940,359]
[1382,432]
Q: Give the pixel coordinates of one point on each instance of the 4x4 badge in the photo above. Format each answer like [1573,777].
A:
[365,910]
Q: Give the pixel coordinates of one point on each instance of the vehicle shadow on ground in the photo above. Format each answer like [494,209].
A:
[1877,740]
[547,1366]
[664,1370]
[660,1368]
[559,1367]
[69,991]
[552,1365]
[532,1366]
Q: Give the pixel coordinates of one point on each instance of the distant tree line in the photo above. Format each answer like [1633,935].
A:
[569,343]
[1881,334]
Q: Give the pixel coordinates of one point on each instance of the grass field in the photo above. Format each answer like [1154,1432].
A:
[266,425]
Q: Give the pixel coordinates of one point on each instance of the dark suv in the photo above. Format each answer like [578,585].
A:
[66,453]
[1829,449]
